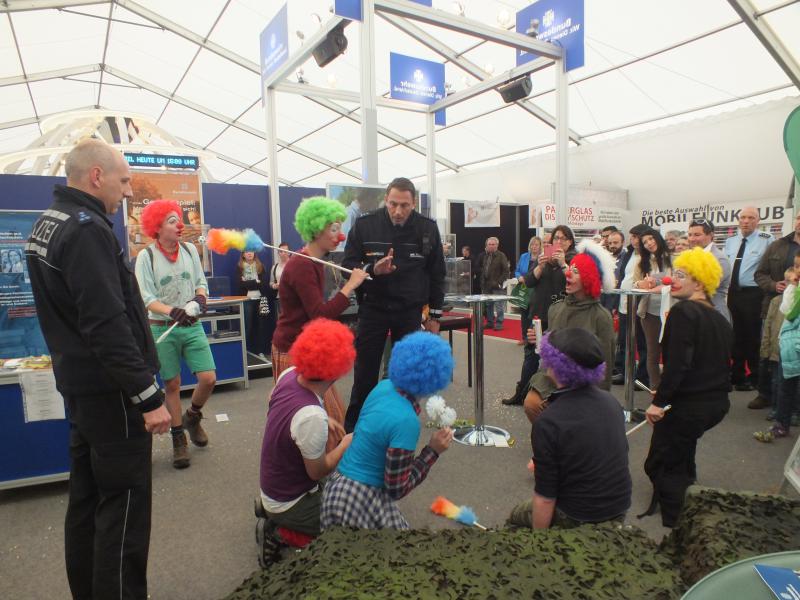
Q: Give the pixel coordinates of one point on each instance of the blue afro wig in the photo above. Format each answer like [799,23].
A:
[421,364]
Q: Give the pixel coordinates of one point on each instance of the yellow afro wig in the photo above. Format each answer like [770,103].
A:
[701,266]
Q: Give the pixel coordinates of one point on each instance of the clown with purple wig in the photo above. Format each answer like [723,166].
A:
[580,452]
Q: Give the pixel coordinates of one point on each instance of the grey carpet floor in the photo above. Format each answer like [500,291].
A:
[202,543]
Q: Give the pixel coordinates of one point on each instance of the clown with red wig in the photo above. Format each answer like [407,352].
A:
[171,280]
[293,455]
[588,274]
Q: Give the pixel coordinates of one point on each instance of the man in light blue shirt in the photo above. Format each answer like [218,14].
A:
[744,250]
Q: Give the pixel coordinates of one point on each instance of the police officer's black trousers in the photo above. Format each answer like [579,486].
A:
[745,307]
[107,529]
[373,326]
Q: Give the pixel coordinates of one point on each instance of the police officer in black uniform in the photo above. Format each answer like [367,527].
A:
[402,252]
[104,359]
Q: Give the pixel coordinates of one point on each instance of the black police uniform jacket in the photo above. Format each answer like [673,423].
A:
[418,256]
[88,303]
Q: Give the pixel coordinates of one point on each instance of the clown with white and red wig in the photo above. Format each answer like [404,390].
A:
[174,290]
[589,273]
[318,220]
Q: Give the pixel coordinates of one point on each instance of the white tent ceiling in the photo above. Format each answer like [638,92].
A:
[191,67]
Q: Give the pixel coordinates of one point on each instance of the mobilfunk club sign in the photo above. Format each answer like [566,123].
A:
[719,214]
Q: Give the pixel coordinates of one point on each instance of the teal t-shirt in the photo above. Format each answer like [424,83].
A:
[387,420]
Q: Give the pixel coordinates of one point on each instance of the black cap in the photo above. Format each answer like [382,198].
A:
[580,345]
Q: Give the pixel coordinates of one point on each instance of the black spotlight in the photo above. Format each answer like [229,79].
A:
[334,44]
[516,89]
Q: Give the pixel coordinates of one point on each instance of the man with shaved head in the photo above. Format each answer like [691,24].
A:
[104,360]
[745,251]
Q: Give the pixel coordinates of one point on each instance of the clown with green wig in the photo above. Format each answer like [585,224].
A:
[319,222]
[696,349]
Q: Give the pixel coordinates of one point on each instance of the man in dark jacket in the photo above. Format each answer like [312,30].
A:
[402,252]
[104,360]
[493,268]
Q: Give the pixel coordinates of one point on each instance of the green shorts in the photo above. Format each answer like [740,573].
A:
[190,343]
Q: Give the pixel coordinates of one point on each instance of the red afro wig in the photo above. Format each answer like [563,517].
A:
[590,274]
[154,214]
[323,351]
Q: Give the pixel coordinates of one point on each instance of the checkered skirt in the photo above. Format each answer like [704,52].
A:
[349,503]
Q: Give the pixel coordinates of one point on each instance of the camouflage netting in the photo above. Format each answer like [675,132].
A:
[592,562]
[717,528]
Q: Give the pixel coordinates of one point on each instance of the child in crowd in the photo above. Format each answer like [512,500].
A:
[379,467]
[788,368]
[293,456]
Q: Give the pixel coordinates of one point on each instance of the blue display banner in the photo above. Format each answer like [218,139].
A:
[439,117]
[415,79]
[19,326]
[162,160]
[274,43]
[349,9]
[560,22]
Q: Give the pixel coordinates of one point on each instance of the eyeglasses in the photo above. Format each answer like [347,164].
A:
[560,238]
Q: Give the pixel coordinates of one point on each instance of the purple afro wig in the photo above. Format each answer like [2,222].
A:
[421,364]
[571,370]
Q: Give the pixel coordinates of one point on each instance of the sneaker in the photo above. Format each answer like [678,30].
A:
[778,431]
[498,327]
[511,401]
[191,423]
[743,387]
[758,402]
[618,379]
[765,437]
[771,414]
[180,451]
[268,547]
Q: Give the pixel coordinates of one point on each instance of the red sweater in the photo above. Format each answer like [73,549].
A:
[300,291]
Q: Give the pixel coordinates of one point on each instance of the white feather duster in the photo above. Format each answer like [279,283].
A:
[607,262]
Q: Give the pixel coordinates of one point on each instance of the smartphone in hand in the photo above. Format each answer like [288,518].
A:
[548,251]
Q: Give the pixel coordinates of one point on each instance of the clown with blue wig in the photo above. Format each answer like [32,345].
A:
[379,467]
[580,452]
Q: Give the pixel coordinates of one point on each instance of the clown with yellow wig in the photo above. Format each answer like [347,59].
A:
[696,351]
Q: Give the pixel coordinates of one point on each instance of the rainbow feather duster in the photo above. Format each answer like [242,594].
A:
[223,240]
[252,241]
[463,514]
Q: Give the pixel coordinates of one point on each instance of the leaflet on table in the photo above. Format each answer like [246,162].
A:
[40,399]
[784,583]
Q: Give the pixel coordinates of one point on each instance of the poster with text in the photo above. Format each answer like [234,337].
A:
[481,214]
[183,188]
[19,326]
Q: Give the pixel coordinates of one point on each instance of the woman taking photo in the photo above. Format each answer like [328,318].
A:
[654,264]
[697,343]
[549,283]
[319,222]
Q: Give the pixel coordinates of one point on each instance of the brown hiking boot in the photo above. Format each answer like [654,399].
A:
[758,402]
[191,423]
[180,451]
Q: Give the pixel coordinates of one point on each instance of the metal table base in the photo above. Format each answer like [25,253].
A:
[632,414]
[480,434]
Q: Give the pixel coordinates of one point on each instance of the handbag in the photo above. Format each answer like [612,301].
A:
[263,306]
[520,296]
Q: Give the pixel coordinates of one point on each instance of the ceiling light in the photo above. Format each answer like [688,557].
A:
[332,80]
[489,68]
[503,18]
[299,74]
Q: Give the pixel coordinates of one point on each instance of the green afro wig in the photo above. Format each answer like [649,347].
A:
[315,214]
[701,266]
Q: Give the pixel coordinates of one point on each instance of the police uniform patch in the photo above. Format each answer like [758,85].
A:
[84,217]
[764,235]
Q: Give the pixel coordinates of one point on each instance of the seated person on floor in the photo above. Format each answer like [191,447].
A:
[379,467]
[580,451]
[588,274]
[293,457]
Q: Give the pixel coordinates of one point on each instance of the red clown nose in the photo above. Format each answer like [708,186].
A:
[341,237]
[667,280]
